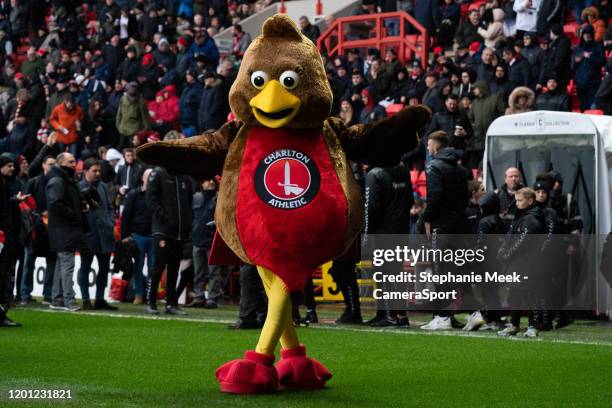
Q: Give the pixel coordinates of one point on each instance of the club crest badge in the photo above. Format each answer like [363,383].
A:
[287,179]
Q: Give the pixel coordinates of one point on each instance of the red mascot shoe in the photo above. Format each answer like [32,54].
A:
[295,370]
[255,374]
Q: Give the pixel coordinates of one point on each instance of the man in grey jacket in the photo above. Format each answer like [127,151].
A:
[98,238]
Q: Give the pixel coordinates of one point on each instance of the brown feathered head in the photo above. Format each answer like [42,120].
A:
[281,81]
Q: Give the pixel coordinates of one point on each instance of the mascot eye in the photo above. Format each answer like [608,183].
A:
[289,79]
[259,79]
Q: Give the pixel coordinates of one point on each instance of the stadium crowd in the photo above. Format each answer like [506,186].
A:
[85,82]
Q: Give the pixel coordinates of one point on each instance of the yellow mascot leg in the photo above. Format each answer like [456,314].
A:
[279,324]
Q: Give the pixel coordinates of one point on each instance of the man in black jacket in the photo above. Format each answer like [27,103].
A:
[388,199]
[169,197]
[129,174]
[507,202]
[453,121]
[517,255]
[9,227]
[98,240]
[556,99]
[447,199]
[136,226]
[213,108]
[65,228]
[518,68]
[40,247]
[203,232]
[558,56]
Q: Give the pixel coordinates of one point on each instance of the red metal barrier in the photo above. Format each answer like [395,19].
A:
[374,31]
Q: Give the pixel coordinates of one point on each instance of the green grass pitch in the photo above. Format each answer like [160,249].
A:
[127,361]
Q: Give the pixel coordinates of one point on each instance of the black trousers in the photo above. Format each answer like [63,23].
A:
[253,301]
[167,257]
[6,284]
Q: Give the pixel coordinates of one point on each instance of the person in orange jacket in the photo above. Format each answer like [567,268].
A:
[66,118]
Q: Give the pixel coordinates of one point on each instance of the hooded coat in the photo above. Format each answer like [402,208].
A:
[588,70]
[132,115]
[485,109]
[517,93]
[495,31]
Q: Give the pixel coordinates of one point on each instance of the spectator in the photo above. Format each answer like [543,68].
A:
[447,199]
[534,56]
[205,45]
[10,224]
[501,85]
[516,254]
[450,14]
[452,121]
[494,32]
[370,111]
[40,246]
[169,198]
[467,32]
[213,106]
[427,12]
[486,107]
[163,55]
[128,68]
[189,102]
[550,13]
[558,56]
[388,198]
[67,118]
[98,239]
[309,30]
[65,228]
[554,99]
[132,115]
[588,61]
[203,232]
[136,226]
[129,173]
[507,201]
[590,16]
[526,15]
[521,100]
[485,70]
[518,67]
[347,112]
[253,301]
[240,41]
[603,97]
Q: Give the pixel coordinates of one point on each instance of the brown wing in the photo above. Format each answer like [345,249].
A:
[383,142]
[200,157]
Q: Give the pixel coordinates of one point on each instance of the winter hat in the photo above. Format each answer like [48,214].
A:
[113,154]
[6,158]
[172,135]
[182,41]
[154,137]
[19,75]
[542,185]
[147,59]
[474,46]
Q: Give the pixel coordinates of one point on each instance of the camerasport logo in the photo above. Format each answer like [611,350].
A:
[287,179]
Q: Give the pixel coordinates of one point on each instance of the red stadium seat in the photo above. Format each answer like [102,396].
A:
[594,112]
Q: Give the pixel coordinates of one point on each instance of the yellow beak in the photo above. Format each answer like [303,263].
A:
[274,106]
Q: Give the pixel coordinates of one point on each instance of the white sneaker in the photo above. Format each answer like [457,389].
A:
[531,332]
[474,322]
[57,307]
[438,323]
[493,326]
[509,331]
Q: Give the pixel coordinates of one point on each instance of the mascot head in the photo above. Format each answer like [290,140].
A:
[281,81]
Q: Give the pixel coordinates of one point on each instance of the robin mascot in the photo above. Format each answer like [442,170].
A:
[287,201]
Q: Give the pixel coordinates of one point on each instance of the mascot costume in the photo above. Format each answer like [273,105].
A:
[287,201]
